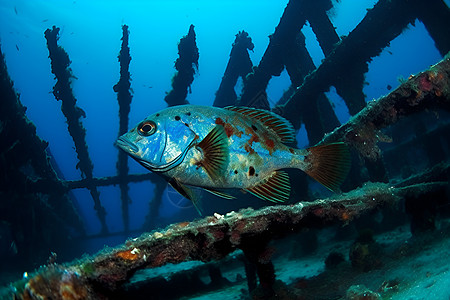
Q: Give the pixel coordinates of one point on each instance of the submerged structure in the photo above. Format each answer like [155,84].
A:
[383,178]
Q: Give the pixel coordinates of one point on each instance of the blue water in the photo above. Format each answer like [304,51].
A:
[91,32]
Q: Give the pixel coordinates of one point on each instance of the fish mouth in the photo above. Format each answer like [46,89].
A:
[132,150]
[126,145]
[166,167]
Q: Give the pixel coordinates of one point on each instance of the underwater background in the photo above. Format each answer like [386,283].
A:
[91,31]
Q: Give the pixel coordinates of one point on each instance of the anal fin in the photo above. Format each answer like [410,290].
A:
[215,152]
[187,193]
[276,188]
[220,194]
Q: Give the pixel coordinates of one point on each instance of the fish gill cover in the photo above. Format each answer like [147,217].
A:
[323,62]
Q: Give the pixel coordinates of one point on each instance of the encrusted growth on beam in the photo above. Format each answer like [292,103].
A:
[123,90]
[62,90]
[239,65]
[186,65]
[272,63]
[427,90]
[35,212]
[111,180]
[381,25]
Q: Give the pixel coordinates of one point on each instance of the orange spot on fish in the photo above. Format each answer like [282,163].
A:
[219,121]
[269,143]
[249,148]
[229,129]
[253,138]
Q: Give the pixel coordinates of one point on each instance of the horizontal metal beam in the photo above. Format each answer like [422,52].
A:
[110,180]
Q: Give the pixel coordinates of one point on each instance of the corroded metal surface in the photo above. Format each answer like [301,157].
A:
[208,239]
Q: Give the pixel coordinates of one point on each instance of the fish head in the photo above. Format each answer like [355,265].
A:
[158,143]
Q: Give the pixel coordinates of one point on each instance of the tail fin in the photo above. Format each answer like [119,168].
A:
[328,164]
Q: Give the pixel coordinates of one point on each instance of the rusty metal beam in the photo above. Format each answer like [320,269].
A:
[186,65]
[62,90]
[207,239]
[427,90]
[381,24]
[123,90]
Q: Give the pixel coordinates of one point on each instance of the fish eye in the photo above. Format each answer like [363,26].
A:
[147,128]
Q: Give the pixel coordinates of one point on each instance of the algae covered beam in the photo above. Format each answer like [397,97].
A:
[381,25]
[110,180]
[239,65]
[435,15]
[427,90]
[272,63]
[123,90]
[208,239]
[63,91]
[24,166]
[186,65]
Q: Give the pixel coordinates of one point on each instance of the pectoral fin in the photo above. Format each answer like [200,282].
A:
[276,188]
[215,152]
[187,193]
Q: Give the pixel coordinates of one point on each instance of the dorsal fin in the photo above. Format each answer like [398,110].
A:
[282,127]
[275,188]
[215,152]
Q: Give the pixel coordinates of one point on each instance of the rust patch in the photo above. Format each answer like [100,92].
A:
[182,224]
[127,255]
[425,83]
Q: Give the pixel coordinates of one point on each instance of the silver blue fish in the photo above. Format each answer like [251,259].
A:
[219,149]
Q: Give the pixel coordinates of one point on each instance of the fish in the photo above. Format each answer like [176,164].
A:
[221,149]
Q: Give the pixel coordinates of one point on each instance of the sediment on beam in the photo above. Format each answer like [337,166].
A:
[123,90]
[381,25]
[186,66]
[62,90]
[210,239]
[427,90]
